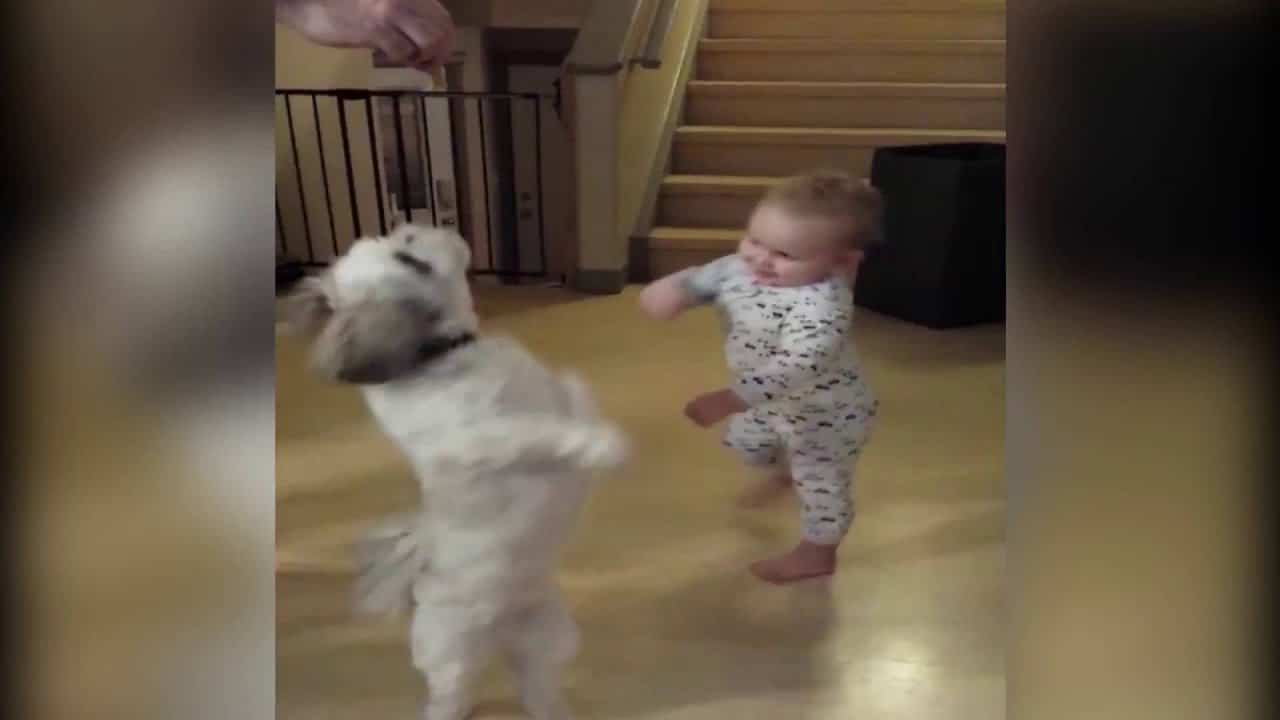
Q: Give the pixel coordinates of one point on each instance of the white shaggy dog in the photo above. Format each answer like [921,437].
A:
[503,448]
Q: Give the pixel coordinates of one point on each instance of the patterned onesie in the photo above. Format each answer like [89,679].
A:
[791,352]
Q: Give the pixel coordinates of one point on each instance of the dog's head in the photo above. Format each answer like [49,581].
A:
[383,301]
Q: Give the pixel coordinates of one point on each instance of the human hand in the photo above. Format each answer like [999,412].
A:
[418,33]
[663,299]
[710,408]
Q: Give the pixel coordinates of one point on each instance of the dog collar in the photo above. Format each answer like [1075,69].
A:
[433,350]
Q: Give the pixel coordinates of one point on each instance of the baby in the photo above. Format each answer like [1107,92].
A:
[800,406]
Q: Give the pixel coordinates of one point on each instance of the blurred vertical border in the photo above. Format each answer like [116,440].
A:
[1141,342]
[139,193]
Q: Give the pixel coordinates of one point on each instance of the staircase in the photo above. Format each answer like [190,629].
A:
[781,86]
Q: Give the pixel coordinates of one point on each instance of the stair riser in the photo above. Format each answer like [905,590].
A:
[664,262]
[850,67]
[855,25]
[899,112]
[709,211]
[752,158]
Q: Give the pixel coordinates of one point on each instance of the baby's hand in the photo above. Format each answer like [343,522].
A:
[664,299]
[710,408]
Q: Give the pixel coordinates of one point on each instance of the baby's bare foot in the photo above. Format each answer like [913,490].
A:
[765,490]
[804,561]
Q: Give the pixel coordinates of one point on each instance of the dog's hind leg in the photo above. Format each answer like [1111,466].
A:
[544,642]
[448,694]
[390,558]
[449,654]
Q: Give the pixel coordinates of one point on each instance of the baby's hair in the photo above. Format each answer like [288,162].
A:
[835,195]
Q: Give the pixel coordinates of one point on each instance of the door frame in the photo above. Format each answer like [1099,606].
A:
[507,47]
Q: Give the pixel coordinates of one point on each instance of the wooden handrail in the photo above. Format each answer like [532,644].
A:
[651,57]
[606,37]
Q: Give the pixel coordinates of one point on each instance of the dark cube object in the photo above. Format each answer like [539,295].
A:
[942,262]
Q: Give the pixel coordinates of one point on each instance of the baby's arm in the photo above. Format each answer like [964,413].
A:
[813,338]
[669,296]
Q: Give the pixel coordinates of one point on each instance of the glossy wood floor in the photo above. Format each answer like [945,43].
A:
[910,628]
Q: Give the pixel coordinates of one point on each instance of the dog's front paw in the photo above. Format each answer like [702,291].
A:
[609,448]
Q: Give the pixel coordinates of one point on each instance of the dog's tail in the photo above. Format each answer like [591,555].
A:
[389,558]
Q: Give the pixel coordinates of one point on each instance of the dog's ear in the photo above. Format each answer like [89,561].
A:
[308,308]
[373,343]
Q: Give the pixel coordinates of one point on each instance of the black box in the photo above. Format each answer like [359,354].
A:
[942,263]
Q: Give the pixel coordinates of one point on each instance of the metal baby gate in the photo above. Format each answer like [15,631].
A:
[356,162]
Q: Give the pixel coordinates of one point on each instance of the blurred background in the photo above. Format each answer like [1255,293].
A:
[1141,355]
[140,175]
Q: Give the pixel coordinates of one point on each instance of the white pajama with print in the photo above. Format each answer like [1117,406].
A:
[791,351]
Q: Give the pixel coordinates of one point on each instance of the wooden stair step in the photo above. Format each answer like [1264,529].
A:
[672,249]
[709,201]
[949,6]
[736,150]
[717,184]
[959,23]
[847,104]
[836,89]
[738,134]
[829,59]
[897,46]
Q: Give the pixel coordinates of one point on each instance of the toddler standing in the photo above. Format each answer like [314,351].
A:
[800,405]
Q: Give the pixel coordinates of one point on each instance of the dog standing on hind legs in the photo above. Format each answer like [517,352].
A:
[503,448]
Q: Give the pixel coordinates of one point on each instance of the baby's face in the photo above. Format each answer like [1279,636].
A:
[784,250]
